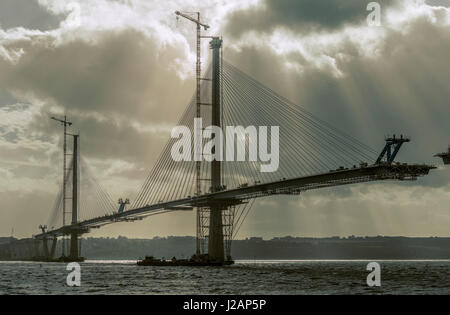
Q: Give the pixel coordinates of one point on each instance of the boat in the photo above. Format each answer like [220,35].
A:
[194,261]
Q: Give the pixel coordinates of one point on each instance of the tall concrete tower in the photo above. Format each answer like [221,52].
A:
[215,240]
[74,235]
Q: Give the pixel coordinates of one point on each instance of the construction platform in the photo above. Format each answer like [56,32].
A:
[195,261]
[445,156]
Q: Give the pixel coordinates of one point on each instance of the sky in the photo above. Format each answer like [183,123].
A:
[123,71]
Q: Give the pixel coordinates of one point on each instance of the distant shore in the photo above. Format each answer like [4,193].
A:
[282,248]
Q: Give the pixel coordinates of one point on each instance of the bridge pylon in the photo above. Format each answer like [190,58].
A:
[74,250]
[216,235]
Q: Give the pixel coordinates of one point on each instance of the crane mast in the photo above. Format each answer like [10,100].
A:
[64,122]
[198,70]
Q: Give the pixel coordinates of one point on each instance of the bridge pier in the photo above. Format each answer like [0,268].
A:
[215,240]
[36,246]
[53,249]
[45,247]
[74,245]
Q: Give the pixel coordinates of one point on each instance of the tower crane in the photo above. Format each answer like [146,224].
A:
[199,24]
[65,123]
[190,18]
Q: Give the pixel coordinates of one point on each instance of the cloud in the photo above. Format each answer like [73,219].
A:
[438,2]
[27,14]
[369,91]
[365,210]
[121,71]
[302,16]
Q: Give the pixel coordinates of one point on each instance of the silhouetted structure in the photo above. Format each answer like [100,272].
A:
[445,156]
[313,155]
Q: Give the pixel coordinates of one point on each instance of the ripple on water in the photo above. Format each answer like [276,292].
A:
[302,277]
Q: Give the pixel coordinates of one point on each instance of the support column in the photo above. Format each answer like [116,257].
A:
[45,247]
[74,235]
[36,246]
[53,249]
[215,241]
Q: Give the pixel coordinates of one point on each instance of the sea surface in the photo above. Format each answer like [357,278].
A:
[245,277]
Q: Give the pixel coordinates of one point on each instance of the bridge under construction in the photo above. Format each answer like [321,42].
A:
[312,155]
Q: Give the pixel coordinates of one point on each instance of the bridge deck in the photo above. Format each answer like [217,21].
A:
[380,172]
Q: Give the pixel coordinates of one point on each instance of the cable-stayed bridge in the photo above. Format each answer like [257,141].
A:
[312,155]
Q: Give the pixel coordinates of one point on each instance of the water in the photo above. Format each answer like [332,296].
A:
[245,277]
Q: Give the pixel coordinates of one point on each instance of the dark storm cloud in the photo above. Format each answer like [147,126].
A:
[105,87]
[6,98]
[104,139]
[388,93]
[438,2]
[28,14]
[299,15]
[124,73]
